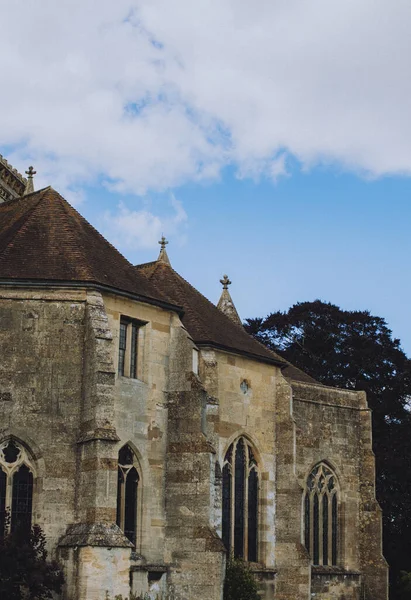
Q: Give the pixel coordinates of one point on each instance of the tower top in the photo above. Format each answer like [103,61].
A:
[30,185]
[226,304]
[12,183]
[163,257]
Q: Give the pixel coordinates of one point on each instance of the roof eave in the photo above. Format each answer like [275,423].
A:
[265,359]
[47,283]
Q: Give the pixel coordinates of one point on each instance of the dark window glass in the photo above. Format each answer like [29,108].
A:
[316,531]
[130,505]
[22,499]
[325,530]
[239,499]
[127,493]
[252,515]
[126,456]
[133,351]
[226,506]
[11,452]
[334,529]
[120,488]
[122,347]
[307,521]
[3,484]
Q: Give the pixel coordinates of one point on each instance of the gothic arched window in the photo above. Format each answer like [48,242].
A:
[321,515]
[127,493]
[16,487]
[240,500]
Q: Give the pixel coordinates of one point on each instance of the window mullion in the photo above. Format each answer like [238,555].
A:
[311,549]
[232,511]
[320,529]
[123,500]
[330,529]
[246,475]
[127,357]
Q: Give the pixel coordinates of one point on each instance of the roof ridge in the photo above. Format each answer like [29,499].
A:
[146,265]
[67,208]
[84,220]
[24,198]
[157,264]
[24,219]
[228,320]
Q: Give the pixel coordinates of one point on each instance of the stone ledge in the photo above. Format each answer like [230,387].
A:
[101,433]
[153,568]
[107,535]
[257,568]
[319,570]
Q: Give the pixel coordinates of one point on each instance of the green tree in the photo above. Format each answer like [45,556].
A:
[24,569]
[239,583]
[405,586]
[355,350]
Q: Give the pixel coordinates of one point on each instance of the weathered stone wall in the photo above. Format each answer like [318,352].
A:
[335,426]
[61,396]
[160,415]
[41,341]
[141,416]
[344,586]
[56,377]
[233,410]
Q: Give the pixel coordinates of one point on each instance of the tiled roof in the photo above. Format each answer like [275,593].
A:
[43,238]
[206,324]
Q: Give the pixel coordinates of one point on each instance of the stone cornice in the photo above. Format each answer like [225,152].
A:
[12,183]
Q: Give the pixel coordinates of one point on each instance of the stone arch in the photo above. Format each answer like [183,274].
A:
[241,483]
[255,445]
[30,445]
[130,492]
[17,484]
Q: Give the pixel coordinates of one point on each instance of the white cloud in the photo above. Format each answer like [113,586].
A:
[149,94]
[141,229]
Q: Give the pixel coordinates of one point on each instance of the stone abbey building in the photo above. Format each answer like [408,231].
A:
[149,435]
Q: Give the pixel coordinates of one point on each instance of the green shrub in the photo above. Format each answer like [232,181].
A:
[25,571]
[239,583]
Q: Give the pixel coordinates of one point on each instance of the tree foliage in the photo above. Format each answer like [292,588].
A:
[239,583]
[355,350]
[25,572]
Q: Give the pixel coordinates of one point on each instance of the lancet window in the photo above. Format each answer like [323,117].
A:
[240,500]
[130,339]
[128,493]
[16,487]
[321,515]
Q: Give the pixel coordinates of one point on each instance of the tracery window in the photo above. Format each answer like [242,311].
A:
[128,493]
[321,515]
[240,500]
[16,487]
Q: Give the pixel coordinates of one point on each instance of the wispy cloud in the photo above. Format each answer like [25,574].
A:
[150,94]
[141,229]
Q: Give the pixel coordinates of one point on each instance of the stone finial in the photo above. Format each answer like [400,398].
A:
[30,186]
[225,282]
[226,304]
[163,257]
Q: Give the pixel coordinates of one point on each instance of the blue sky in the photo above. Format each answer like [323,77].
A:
[322,234]
[273,145]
